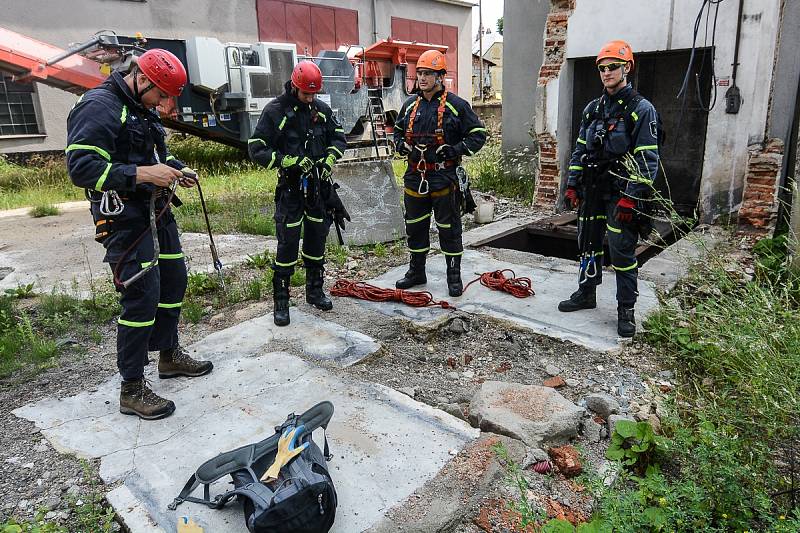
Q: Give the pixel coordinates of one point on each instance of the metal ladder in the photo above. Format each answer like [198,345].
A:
[377,120]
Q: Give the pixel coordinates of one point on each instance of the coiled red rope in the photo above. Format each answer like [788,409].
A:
[496,281]
[365,291]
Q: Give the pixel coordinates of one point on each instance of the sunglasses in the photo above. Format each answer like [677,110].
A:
[610,67]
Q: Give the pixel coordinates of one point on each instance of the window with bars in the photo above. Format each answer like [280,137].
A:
[17,109]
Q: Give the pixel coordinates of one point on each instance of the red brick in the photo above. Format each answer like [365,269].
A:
[567,460]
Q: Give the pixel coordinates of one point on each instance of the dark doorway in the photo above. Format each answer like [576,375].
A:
[658,76]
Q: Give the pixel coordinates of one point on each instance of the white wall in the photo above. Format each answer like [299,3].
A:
[61,22]
[653,25]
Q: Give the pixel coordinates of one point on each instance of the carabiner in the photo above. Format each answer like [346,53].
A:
[426,189]
[111,204]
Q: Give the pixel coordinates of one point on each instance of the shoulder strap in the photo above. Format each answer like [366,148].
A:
[412,115]
[440,118]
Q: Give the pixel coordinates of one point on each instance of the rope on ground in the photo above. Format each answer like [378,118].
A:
[365,291]
[497,281]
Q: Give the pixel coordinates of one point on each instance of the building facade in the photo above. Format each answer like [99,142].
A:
[33,117]
[722,155]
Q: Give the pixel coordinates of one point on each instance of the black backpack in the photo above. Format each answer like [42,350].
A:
[302,499]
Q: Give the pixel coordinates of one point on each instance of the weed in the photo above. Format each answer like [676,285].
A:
[528,513]
[41,181]
[298,278]
[260,261]
[200,283]
[22,291]
[45,210]
[256,224]
[338,254]
[380,250]
[486,172]
[634,444]
[207,156]
[192,309]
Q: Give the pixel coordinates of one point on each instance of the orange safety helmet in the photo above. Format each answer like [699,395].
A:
[307,77]
[432,60]
[616,50]
[164,69]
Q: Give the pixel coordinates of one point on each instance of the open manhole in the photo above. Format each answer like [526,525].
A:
[558,237]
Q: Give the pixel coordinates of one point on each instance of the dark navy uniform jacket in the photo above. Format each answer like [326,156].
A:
[463,130]
[108,134]
[606,114]
[289,127]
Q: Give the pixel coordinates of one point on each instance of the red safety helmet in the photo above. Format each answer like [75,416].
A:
[307,77]
[163,69]
[616,50]
[432,60]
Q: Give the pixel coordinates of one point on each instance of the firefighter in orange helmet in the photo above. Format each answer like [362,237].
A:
[435,129]
[611,197]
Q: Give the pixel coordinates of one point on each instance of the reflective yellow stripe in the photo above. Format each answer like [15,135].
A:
[575,167]
[312,219]
[339,130]
[171,256]
[99,185]
[452,253]
[124,116]
[625,269]
[282,124]
[444,225]
[320,258]
[423,217]
[467,149]
[324,118]
[256,140]
[271,161]
[581,141]
[648,147]
[336,150]
[634,115]
[473,130]
[132,324]
[419,250]
[293,263]
[451,108]
[614,230]
[598,217]
[295,224]
[97,149]
[148,263]
[170,157]
[170,306]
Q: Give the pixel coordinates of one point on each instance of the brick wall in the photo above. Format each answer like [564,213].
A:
[555,39]
[759,210]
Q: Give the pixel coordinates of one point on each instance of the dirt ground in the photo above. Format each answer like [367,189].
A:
[441,365]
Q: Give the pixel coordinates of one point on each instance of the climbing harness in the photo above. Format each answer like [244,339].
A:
[422,168]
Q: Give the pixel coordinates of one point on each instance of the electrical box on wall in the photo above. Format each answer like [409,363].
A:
[733,100]
[206,61]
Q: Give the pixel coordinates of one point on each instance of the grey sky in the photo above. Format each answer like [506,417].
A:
[492,10]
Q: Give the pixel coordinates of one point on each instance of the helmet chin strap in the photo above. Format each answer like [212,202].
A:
[136,91]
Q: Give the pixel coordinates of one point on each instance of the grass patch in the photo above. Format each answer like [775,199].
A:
[40,182]
[44,210]
[487,174]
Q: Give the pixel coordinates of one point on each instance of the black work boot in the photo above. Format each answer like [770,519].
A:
[626,324]
[280,298]
[314,293]
[454,285]
[583,298]
[177,362]
[136,398]
[416,272]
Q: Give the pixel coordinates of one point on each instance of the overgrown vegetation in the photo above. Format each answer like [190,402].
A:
[44,210]
[42,181]
[27,333]
[723,462]
[489,172]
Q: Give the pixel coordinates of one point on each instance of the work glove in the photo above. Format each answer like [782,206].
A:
[624,211]
[299,161]
[446,153]
[325,166]
[404,149]
[571,199]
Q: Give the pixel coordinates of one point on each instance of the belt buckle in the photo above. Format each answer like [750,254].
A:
[439,165]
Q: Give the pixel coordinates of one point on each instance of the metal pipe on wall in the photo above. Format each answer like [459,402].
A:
[374,21]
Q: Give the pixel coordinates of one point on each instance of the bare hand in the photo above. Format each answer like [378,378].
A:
[159,175]
[188,178]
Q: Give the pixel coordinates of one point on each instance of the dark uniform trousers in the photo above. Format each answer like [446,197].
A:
[622,241]
[151,306]
[297,212]
[442,204]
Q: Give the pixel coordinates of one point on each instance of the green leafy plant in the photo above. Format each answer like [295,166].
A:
[44,210]
[528,513]
[634,444]
[260,261]
[21,291]
[298,279]
[200,283]
[192,310]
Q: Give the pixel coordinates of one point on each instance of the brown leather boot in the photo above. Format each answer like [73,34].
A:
[136,398]
[177,362]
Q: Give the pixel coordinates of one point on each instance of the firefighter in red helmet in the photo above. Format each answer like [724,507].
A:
[435,129]
[116,150]
[299,135]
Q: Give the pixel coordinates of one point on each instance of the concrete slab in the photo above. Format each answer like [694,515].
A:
[673,263]
[478,236]
[385,444]
[60,251]
[595,329]
[370,194]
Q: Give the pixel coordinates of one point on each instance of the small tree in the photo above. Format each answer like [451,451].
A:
[500,25]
